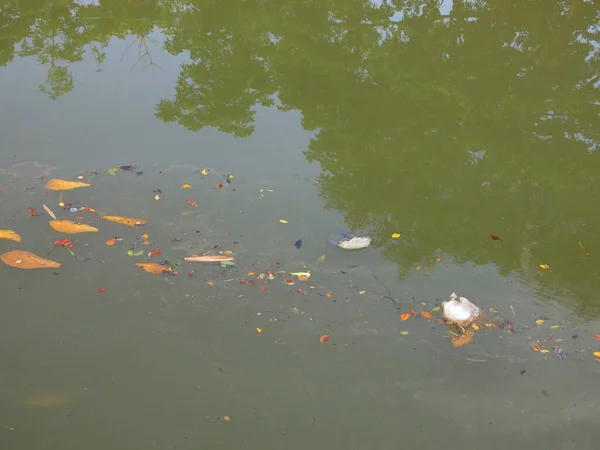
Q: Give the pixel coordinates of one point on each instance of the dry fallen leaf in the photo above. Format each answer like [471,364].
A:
[404,333]
[111,242]
[426,314]
[204,172]
[10,235]
[490,325]
[283,221]
[436,308]
[259,330]
[186,186]
[544,266]
[544,351]
[27,260]
[64,185]
[226,418]
[596,354]
[155,268]
[540,321]
[70,227]
[462,339]
[324,338]
[438,260]
[396,236]
[475,327]
[126,220]
[596,337]
[404,316]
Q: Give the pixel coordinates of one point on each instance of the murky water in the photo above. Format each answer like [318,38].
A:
[447,124]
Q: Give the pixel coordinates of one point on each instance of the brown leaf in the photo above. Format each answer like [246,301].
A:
[70,227]
[27,260]
[155,268]
[10,235]
[64,185]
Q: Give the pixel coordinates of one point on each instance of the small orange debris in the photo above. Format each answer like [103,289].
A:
[490,325]
[329,295]
[192,202]
[426,314]
[438,260]
[324,338]
[596,337]
[111,242]
[405,316]
[413,312]
[251,274]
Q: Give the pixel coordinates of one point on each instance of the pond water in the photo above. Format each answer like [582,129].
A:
[469,129]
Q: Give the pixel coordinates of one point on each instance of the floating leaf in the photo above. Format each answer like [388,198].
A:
[111,241]
[405,316]
[186,186]
[321,259]
[554,327]
[70,227]
[126,220]
[596,337]
[64,185]
[475,327]
[304,275]
[283,221]
[438,260]
[259,330]
[113,171]
[156,268]
[494,237]
[413,312]
[435,308]
[396,236]
[204,172]
[426,314]
[490,325]
[404,333]
[544,351]
[462,339]
[192,202]
[540,321]
[10,235]
[493,310]
[544,266]
[324,338]
[536,348]
[596,354]
[27,260]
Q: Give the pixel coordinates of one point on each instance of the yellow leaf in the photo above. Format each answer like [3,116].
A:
[475,327]
[283,221]
[251,274]
[70,227]
[544,351]
[540,321]
[26,260]
[204,172]
[259,330]
[64,185]
[227,252]
[544,266]
[404,333]
[597,354]
[490,325]
[396,236]
[438,260]
[437,308]
[186,186]
[10,235]
[145,236]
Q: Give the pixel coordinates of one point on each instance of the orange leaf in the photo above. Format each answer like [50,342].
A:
[70,227]
[413,312]
[426,314]
[251,274]
[490,325]
[192,202]
[144,236]
[146,242]
[462,339]
[405,316]
[27,260]
[64,185]
[126,220]
[186,186]
[438,260]
[329,295]
[324,338]
[10,235]
[536,348]
[111,241]
[155,268]
[259,330]
[596,337]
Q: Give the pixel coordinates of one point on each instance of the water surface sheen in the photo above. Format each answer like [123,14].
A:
[469,128]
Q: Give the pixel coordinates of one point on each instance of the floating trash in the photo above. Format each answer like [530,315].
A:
[349,240]
[459,311]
